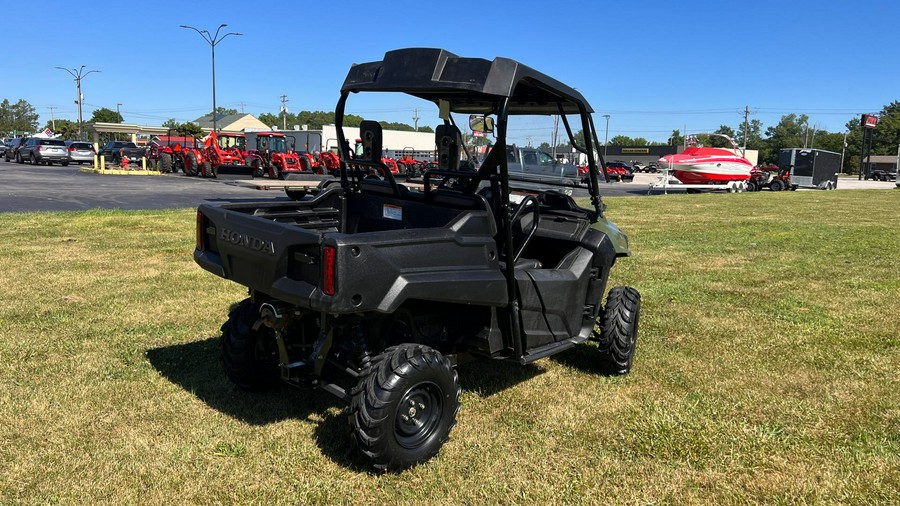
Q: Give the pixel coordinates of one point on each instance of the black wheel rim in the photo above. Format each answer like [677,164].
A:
[418,415]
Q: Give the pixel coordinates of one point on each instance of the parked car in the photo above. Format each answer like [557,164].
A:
[40,151]
[80,152]
[3,145]
[12,149]
[882,175]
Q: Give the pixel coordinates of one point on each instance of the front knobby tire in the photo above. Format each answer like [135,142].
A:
[619,329]
[249,357]
[404,407]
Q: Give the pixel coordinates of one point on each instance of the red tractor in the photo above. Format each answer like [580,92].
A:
[192,156]
[329,163]
[271,155]
[165,152]
[224,149]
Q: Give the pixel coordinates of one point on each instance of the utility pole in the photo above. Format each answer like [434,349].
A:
[284,110]
[242,108]
[52,119]
[844,150]
[605,140]
[416,119]
[555,133]
[78,74]
[746,127]
[118,112]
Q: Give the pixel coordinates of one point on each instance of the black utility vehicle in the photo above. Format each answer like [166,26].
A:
[375,291]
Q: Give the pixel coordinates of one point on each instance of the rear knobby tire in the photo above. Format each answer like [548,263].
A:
[404,406]
[776,186]
[190,165]
[250,357]
[619,329]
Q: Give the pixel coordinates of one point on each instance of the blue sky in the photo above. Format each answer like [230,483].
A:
[653,65]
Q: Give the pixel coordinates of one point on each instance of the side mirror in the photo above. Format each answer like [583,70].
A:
[483,124]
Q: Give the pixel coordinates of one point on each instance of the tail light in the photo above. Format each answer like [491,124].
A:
[39,148]
[71,148]
[328,270]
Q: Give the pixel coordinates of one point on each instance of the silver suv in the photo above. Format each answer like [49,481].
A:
[44,151]
[80,152]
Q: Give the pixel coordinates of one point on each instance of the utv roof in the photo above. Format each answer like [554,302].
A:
[471,85]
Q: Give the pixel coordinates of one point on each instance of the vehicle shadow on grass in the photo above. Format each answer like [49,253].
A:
[197,368]
[584,358]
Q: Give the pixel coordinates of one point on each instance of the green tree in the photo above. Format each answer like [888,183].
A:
[104,115]
[189,129]
[17,118]
[222,111]
[622,140]
[170,123]
[788,133]
[64,128]
[676,139]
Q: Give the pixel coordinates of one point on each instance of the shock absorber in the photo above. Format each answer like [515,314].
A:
[364,355]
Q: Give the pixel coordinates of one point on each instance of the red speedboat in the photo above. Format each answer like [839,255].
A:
[701,165]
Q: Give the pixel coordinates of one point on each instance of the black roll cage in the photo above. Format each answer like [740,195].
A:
[501,87]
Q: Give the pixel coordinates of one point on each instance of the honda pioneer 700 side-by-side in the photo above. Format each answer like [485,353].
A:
[374,290]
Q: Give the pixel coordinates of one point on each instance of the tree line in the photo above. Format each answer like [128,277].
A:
[792,131]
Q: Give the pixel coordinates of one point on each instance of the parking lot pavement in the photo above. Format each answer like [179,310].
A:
[55,188]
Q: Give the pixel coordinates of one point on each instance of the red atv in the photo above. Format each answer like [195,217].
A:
[770,176]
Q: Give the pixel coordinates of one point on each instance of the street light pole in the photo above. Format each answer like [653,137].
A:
[212,40]
[605,138]
[78,74]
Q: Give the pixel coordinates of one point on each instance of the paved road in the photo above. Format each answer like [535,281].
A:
[57,188]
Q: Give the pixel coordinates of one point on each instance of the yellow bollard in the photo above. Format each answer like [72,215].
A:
[102,162]
[96,161]
[144,163]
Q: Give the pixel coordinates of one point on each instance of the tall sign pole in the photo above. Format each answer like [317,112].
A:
[868,122]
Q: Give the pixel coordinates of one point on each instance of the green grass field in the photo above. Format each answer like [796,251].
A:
[766,372]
